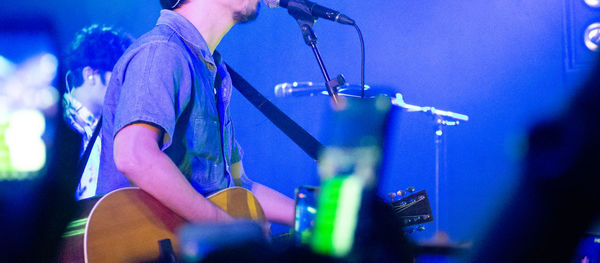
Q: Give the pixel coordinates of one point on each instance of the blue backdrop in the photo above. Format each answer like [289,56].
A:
[499,61]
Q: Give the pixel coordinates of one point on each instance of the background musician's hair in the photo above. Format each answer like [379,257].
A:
[98,47]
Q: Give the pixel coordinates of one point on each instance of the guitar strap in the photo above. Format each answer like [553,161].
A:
[88,149]
[301,137]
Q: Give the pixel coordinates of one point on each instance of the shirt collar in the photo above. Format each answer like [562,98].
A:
[188,32]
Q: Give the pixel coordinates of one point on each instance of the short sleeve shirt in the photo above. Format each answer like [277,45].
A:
[170,79]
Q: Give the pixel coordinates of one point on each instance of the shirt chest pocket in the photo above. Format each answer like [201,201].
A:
[206,141]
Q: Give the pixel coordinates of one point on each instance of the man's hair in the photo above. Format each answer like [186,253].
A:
[98,47]
[171,4]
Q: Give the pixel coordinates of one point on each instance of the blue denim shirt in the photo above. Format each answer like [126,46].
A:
[169,78]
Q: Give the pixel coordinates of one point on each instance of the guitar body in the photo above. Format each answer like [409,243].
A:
[126,225]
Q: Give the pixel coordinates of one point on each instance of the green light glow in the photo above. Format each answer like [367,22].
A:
[24,138]
[4,150]
[29,93]
[74,233]
[335,225]
[22,151]
[77,223]
[76,227]
[305,236]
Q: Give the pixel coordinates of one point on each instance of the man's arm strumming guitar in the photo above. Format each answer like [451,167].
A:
[278,208]
[137,155]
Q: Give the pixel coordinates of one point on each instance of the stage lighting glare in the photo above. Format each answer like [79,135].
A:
[23,138]
[6,67]
[48,65]
[38,72]
[593,3]
[592,36]
[44,98]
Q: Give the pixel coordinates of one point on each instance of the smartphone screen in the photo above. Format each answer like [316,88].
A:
[306,211]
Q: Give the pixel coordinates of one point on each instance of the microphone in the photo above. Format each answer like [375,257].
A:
[309,88]
[314,9]
[296,89]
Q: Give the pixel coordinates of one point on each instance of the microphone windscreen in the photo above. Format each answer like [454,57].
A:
[283,89]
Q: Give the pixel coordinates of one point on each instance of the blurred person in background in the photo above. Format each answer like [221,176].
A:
[557,199]
[89,62]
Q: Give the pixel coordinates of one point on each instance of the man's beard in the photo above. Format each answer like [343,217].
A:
[246,16]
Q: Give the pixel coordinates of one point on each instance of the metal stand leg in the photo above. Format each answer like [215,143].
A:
[441,179]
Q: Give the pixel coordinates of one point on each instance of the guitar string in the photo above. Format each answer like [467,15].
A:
[400,209]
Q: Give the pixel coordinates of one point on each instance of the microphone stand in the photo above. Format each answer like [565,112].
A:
[306,21]
[442,119]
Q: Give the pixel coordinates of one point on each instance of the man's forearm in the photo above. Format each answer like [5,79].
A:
[278,207]
[165,182]
[137,155]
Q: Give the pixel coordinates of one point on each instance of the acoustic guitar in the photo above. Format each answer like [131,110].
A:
[127,224]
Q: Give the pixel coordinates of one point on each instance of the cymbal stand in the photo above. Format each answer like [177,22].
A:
[441,119]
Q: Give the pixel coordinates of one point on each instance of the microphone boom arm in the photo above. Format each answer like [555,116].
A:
[455,117]
[306,21]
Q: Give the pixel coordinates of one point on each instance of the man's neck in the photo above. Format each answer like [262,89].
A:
[211,20]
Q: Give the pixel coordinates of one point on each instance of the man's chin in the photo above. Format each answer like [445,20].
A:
[245,17]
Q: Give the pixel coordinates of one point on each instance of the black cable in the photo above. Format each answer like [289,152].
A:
[362,62]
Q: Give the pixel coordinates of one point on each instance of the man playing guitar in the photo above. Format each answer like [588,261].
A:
[166,122]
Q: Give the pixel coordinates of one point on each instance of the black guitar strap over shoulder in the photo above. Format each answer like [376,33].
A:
[301,137]
[88,149]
